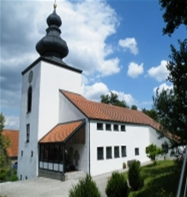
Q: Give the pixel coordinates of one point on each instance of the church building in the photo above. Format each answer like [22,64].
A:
[61,131]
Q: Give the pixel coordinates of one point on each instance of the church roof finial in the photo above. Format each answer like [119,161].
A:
[52,44]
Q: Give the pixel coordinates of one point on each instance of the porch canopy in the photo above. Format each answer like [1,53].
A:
[52,146]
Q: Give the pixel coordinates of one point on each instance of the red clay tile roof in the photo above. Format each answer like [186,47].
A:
[101,111]
[61,132]
[13,136]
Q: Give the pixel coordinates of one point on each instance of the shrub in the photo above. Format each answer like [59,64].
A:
[117,186]
[85,188]
[135,180]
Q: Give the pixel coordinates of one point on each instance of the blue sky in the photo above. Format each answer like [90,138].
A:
[119,45]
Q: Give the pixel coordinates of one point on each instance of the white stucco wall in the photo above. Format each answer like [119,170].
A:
[135,136]
[47,80]
[27,165]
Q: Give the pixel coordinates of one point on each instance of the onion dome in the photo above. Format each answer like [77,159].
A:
[52,44]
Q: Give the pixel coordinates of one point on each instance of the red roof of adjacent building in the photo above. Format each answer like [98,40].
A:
[13,136]
[101,111]
[61,132]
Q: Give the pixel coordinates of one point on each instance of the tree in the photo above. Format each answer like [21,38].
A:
[152,113]
[4,143]
[134,107]
[171,105]
[153,151]
[117,186]
[85,188]
[135,179]
[174,15]
[113,99]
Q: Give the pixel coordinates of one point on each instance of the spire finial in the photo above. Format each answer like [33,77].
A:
[55,5]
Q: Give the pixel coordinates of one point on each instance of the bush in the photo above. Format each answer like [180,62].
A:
[117,186]
[135,180]
[85,188]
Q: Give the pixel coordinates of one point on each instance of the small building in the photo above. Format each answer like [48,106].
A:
[12,150]
[61,131]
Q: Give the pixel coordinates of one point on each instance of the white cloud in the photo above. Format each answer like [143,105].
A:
[93,92]
[134,70]
[161,87]
[126,97]
[129,43]
[160,72]
[12,122]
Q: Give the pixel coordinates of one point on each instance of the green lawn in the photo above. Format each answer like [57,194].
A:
[160,180]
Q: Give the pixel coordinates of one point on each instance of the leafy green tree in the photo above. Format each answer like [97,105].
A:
[113,99]
[85,188]
[153,151]
[117,186]
[152,113]
[4,143]
[134,176]
[134,107]
[171,105]
[174,14]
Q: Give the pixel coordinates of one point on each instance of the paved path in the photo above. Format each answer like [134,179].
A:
[43,187]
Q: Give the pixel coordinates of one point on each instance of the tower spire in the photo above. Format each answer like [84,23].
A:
[52,44]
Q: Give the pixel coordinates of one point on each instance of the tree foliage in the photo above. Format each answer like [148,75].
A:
[174,14]
[85,188]
[134,107]
[113,99]
[153,151]
[151,113]
[171,105]
[4,143]
[135,179]
[117,186]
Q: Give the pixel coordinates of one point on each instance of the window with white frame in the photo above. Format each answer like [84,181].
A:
[123,151]
[108,127]
[116,151]
[100,153]
[122,127]
[99,126]
[116,127]
[109,152]
[136,151]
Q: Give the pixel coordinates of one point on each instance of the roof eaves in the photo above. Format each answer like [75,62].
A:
[75,104]
[75,131]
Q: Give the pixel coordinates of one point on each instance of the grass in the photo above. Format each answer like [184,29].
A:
[160,180]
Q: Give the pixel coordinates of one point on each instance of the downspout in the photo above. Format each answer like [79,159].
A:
[64,162]
[89,145]
[182,174]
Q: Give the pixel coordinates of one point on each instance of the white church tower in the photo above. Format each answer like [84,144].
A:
[41,82]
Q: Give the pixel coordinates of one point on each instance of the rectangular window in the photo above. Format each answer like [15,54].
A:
[100,153]
[116,151]
[136,151]
[108,127]
[27,132]
[99,126]
[123,151]
[122,127]
[116,127]
[108,152]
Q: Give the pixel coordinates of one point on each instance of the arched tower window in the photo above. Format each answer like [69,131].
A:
[29,99]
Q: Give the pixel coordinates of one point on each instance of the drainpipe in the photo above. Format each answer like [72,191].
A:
[182,174]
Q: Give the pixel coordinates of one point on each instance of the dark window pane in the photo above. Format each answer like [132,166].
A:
[123,151]
[122,127]
[116,127]
[136,151]
[100,153]
[116,151]
[29,99]
[108,152]
[99,126]
[108,127]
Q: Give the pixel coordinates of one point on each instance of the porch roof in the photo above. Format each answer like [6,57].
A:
[62,132]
